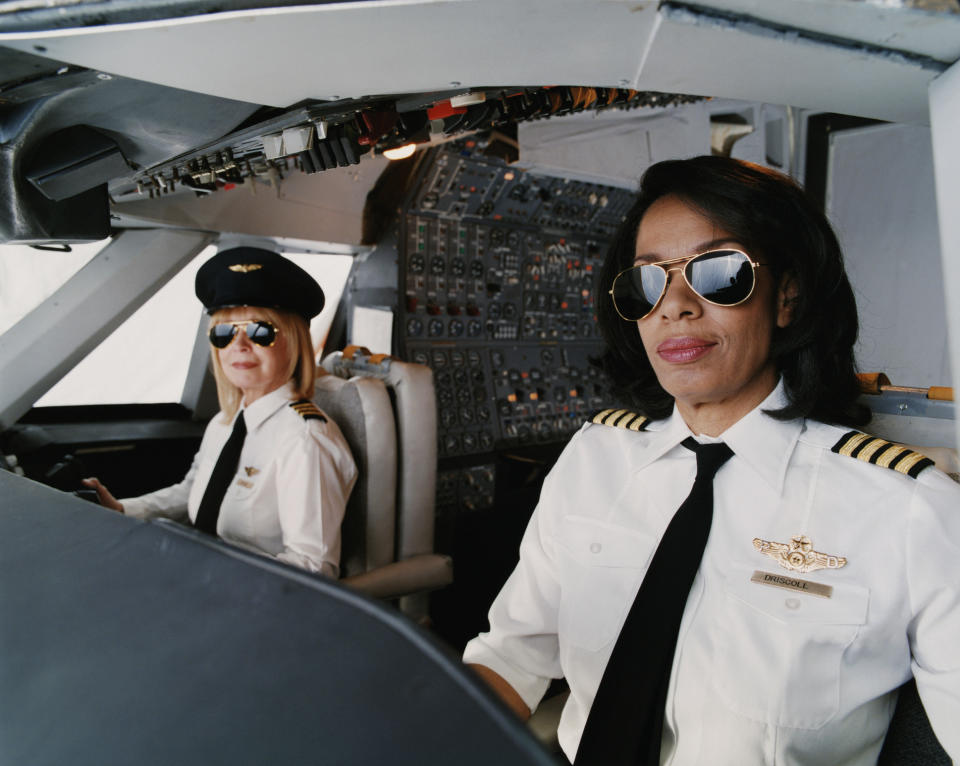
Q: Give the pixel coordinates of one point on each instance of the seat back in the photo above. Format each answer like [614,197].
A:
[910,739]
[414,404]
[412,394]
[361,407]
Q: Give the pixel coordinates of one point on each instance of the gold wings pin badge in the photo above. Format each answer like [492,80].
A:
[245,268]
[798,555]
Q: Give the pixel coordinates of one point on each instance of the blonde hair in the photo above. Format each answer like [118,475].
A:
[301,364]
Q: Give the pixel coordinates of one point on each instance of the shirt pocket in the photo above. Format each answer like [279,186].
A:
[243,505]
[601,568]
[779,652]
[242,486]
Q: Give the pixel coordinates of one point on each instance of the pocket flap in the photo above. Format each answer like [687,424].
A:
[599,543]
[847,604]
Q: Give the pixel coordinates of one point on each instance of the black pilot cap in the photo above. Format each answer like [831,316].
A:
[250,276]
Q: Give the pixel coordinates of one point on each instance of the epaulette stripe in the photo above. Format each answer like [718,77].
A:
[870,449]
[613,417]
[908,462]
[892,456]
[911,466]
[621,418]
[882,453]
[598,418]
[605,417]
[307,410]
[860,445]
[849,442]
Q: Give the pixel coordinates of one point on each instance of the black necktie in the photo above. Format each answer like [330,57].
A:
[626,720]
[220,478]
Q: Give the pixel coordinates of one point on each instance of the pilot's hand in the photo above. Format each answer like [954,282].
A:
[103,494]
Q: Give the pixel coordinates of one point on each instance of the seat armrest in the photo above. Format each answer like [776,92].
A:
[545,721]
[417,574]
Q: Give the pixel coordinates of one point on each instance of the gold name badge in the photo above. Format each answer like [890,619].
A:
[245,484]
[792,583]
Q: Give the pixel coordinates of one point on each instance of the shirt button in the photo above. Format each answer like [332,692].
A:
[595,547]
[792,603]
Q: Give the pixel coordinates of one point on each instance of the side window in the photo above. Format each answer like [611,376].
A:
[331,271]
[29,276]
[145,360]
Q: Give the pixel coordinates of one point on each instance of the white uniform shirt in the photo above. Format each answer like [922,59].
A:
[761,675]
[289,494]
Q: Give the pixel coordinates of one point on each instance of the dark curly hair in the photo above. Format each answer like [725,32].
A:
[773,218]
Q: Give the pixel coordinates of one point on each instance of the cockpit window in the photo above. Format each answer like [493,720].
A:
[29,276]
[146,359]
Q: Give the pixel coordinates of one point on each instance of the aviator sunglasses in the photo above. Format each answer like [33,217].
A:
[721,277]
[259,331]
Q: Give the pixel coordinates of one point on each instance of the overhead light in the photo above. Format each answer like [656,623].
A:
[400,152]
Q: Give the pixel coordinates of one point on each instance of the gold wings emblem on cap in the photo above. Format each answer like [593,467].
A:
[244,268]
[798,555]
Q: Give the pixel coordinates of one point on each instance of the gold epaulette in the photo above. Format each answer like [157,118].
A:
[631,421]
[308,410]
[871,449]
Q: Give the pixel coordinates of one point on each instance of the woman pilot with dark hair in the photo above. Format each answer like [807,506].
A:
[274,472]
[732,573]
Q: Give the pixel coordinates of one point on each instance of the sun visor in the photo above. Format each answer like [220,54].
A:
[58,192]
[74,160]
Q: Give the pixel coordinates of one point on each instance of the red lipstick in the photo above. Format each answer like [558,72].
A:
[680,350]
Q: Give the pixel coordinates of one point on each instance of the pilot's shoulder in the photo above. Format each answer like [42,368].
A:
[620,418]
[847,444]
[307,410]
[308,425]
[882,453]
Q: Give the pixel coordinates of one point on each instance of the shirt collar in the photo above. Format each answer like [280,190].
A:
[266,405]
[764,443]
[664,435]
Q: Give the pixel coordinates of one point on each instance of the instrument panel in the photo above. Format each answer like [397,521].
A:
[497,272]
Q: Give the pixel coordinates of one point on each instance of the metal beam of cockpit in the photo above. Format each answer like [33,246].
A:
[47,343]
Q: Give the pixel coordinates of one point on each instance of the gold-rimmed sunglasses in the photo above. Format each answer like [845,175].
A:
[259,331]
[723,277]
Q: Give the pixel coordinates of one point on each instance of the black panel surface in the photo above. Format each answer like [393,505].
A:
[497,269]
[143,643]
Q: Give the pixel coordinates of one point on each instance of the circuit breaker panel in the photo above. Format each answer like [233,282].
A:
[497,272]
